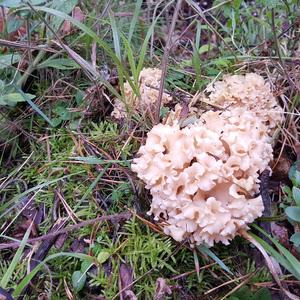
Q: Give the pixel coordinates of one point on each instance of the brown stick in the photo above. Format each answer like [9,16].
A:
[12,44]
[165,59]
[115,218]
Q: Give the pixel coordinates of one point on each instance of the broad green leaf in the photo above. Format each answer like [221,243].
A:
[85,266]
[7,60]
[14,24]
[205,48]
[295,239]
[33,105]
[60,64]
[287,190]
[103,256]
[244,293]
[65,6]
[296,195]
[62,111]
[293,212]
[56,121]
[294,173]
[13,98]
[78,280]
[262,294]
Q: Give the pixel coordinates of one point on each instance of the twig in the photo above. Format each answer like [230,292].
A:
[115,218]
[31,68]
[165,59]
[12,44]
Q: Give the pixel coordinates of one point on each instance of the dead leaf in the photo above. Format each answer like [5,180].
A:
[43,296]
[78,15]
[297,150]
[281,233]
[60,241]
[162,289]
[125,280]
[129,295]
[4,295]
[281,169]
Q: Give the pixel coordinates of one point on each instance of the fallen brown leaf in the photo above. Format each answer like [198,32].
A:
[125,280]
[78,15]
[162,289]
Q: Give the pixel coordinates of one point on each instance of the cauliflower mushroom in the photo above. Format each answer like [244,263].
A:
[250,92]
[149,82]
[204,178]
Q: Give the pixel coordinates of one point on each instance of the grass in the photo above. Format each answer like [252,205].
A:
[65,160]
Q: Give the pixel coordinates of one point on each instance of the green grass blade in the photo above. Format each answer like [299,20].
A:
[117,46]
[33,105]
[131,61]
[147,37]
[26,280]
[295,263]
[133,22]
[277,256]
[35,188]
[91,160]
[116,35]
[213,256]
[91,187]
[90,33]
[197,67]
[7,276]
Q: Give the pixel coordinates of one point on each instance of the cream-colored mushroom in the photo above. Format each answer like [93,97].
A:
[204,178]
[149,82]
[249,92]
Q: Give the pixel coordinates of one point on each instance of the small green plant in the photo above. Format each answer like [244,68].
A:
[142,249]
[245,293]
[63,113]
[293,197]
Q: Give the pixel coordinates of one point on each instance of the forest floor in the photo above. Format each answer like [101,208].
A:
[73,215]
